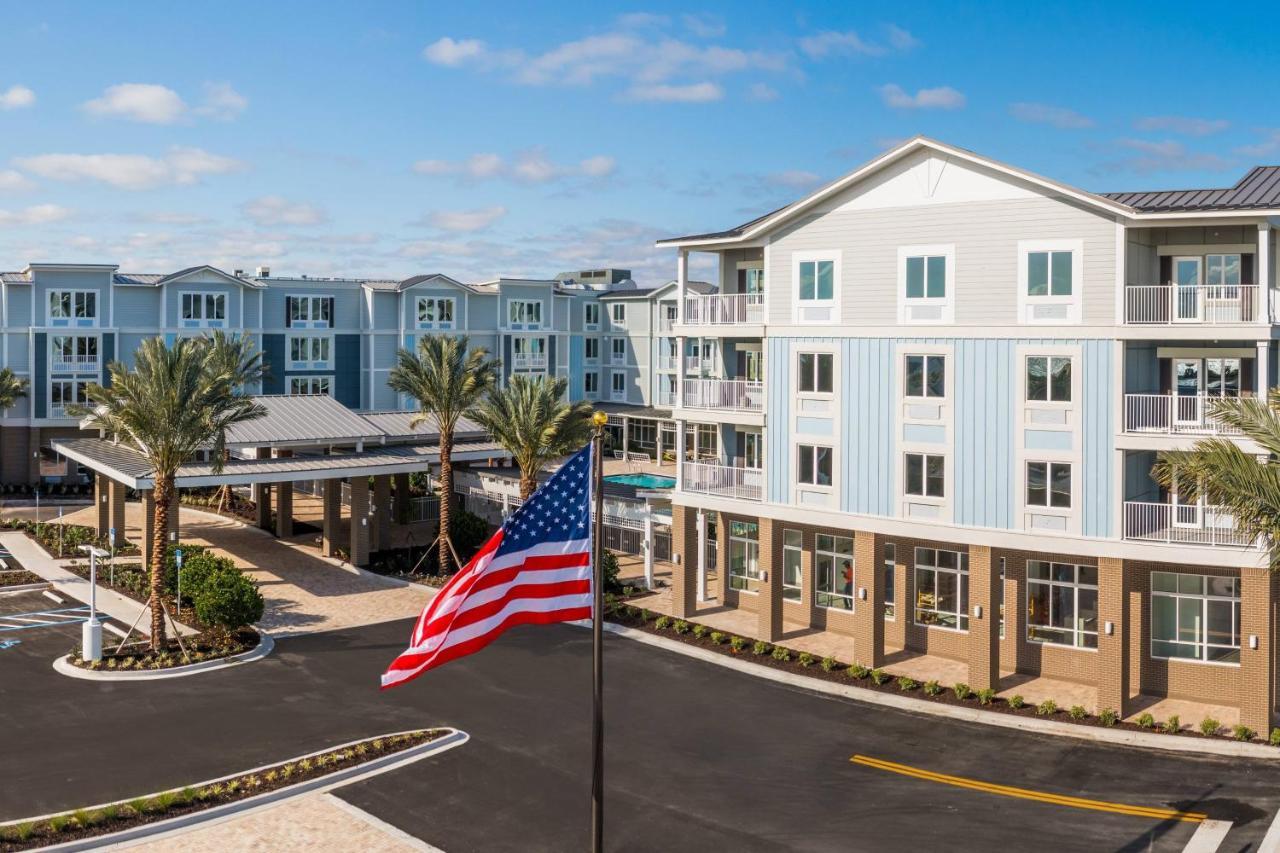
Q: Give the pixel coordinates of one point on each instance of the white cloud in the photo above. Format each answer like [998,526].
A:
[181,166]
[16,97]
[271,210]
[40,214]
[704,25]
[1166,156]
[14,181]
[641,20]
[900,39]
[762,92]
[794,178]
[531,166]
[692,93]
[1184,125]
[465,220]
[941,98]
[222,102]
[145,102]
[1060,117]
[1268,147]
[451,53]
[827,43]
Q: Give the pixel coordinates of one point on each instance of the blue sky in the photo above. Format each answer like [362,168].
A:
[481,139]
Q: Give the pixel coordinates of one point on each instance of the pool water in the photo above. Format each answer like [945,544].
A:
[643,481]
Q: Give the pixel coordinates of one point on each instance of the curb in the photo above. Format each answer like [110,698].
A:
[218,814]
[26,587]
[63,665]
[1143,740]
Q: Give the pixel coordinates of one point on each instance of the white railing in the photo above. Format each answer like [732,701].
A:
[1204,304]
[724,309]
[668,362]
[75,362]
[1171,414]
[666,398]
[736,394]
[421,508]
[665,324]
[528,361]
[723,480]
[1181,525]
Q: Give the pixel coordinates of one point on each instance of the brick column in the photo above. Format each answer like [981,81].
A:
[868,599]
[381,520]
[332,516]
[359,538]
[402,498]
[148,524]
[284,501]
[721,590]
[1113,647]
[117,495]
[1256,672]
[102,503]
[808,578]
[895,632]
[769,611]
[984,633]
[684,568]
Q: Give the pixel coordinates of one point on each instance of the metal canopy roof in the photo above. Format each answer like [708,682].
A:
[1259,189]
[395,426]
[309,419]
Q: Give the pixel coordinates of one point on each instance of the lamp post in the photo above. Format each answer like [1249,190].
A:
[177,558]
[91,631]
[598,420]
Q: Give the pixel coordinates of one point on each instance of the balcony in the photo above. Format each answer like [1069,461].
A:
[668,362]
[726,481]
[724,310]
[1182,524]
[666,324]
[698,365]
[1204,304]
[74,363]
[739,395]
[1169,414]
[666,398]
[529,361]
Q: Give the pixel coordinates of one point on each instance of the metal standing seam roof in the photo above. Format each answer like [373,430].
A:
[303,419]
[1259,189]
[395,425]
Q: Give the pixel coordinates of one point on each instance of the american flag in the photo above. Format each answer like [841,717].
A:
[535,570]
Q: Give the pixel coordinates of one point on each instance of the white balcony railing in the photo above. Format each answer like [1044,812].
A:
[726,481]
[666,324]
[528,361]
[736,394]
[724,309]
[697,364]
[1205,304]
[1181,524]
[668,362]
[1171,414]
[74,362]
[666,398]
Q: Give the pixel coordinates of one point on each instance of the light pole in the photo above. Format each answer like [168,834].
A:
[177,558]
[112,563]
[91,631]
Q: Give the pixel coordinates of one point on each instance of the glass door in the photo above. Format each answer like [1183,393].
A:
[751,447]
[1222,377]
[1186,286]
[1188,379]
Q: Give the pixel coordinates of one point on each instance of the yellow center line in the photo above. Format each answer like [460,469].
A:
[1024,794]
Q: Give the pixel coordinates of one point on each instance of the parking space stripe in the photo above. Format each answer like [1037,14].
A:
[1025,794]
[43,618]
[1208,837]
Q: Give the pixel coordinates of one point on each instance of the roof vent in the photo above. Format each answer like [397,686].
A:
[237,273]
[264,272]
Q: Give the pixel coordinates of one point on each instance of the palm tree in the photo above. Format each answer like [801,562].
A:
[173,402]
[12,387]
[446,379]
[532,420]
[1228,477]
[236,356]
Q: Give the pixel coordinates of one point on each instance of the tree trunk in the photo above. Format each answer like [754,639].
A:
[446,496]
[159,542]
[528,484]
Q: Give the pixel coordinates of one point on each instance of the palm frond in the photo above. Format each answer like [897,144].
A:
[12,387]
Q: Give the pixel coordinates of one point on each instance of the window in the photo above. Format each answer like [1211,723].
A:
[204,309]
[1062,604]
[618,350]
[744,554]
[792,560]
[435,312]
[1049,484]
[890,596]
[308,351]
[591,349]
[926,376]
[942,588]
[524,313]
[1049,379]
[618,313]
[591,315]
[1195,617]
[591,383]
[1222,273]
[927,277]
[817,281]
[926,475]
[73,305]
[753,285]
[1049,273]
[619,386]
[814,465]
[815,373]
[310,311]
[75,352]
[66,392]
[309,385]
[833,571]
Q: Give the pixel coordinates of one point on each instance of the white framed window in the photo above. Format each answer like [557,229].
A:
[435,312]
[591,349]
[618,351]
[833,571]
[310,385]
[1049,378]
[310,312]
[1222,272]
[618,384]
[890,582]
[529,353]
[204,310]
[308,352]
[524,313]
[1062,604]
[1049,281]
[744,555]
[817,286]
[792,563]
[926,376]
[815,372]
[591,383]
[925,475]
[1195,617]
[813,465]
[74,352]
[591,316]
[66,392]
[942,588]
[1049,484]
[73,307]
[618,315]
[926,284]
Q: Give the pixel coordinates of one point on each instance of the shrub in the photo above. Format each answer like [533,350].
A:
[805,659]
[608,564]
[1108,717]
[986,696]
[662,623]
[681,626]
[1146,721]
[879,676]
[1209,726]
[857,671]
[1077,712]
[760,647]
[1242,732]
[228,599]
[57,823]
[962,690]
[717,638]
[1171,725]
[1274,740]
[1016,701]
[780,653]
[737,643]
[828,664]
[700,631]
[1047,708]
[906,684]
[932,688]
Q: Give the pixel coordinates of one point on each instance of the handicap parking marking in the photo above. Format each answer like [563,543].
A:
[44,618]
[8,644]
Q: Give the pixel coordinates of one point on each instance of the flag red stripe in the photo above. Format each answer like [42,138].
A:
[481,612]
[545,562]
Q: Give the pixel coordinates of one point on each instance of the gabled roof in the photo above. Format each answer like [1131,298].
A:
[155,280]
[1258,190]
[434,278]
[302,419]
[654,292]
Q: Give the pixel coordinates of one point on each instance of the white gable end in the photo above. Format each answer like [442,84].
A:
[929,177]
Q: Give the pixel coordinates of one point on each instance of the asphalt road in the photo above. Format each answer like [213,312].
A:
[698,757]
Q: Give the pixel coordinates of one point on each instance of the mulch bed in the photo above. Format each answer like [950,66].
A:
[210,645]
[840,672]
[90,823]
[18,577]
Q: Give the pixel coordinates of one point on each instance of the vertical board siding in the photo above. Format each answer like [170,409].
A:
[40,381]
[777,353]
[273,360]
[348,362]
[575,369]
[1098,433]
[867,382]
[108,356]
[984,387]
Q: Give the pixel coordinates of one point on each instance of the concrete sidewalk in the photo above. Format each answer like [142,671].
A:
[110,603]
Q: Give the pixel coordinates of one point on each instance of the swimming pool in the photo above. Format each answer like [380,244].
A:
[643,481]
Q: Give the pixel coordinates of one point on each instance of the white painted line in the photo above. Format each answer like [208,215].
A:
[380,824]
[119,632]
[1271,841]
[1208,836]
[56,598]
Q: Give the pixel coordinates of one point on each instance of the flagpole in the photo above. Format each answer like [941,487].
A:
[597,634]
